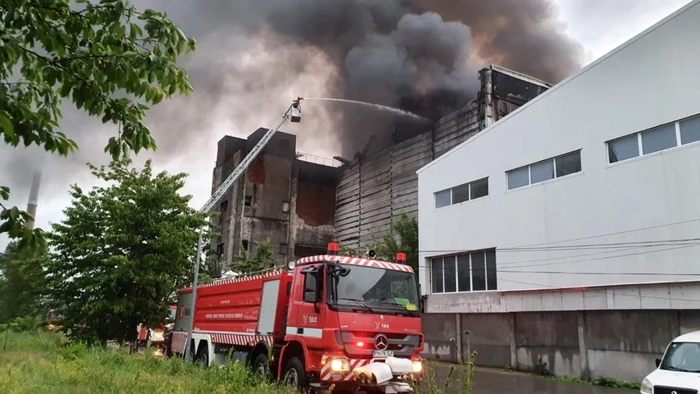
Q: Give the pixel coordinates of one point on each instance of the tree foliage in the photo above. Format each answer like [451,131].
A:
[22,282]
[402,238]
[109,59]
[262,259]
[123,249]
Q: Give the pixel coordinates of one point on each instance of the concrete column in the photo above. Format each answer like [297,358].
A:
[674,323]
[458,337]
[582,348]
[513,345]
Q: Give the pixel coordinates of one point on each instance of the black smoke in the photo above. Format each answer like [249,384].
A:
[254,56]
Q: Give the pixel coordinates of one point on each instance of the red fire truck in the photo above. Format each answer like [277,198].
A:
[326,320]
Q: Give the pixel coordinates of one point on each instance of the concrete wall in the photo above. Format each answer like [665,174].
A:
[586,344]
[649,198]
[289,201]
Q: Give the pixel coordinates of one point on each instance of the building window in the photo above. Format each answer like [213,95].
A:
[244,243]
[443,198]
[657,139]
[283,249]
[248,200]
[220,251]
[690,130]
[465,192]
[556,167]
[569,163]
[466,272]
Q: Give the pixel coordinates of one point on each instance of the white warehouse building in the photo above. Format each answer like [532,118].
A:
[591,191]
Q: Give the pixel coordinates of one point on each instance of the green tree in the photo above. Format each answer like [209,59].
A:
[261,261]
[22,282]
[403,237]
[123,249]
[109,59]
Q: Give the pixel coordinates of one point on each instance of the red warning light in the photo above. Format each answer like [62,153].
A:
[401,258]
[333,248]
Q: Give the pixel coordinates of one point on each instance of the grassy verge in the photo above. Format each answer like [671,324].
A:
[38,362]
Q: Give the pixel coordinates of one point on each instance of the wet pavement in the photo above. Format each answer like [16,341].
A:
[488,381]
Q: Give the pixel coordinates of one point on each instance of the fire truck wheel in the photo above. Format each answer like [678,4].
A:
[294,373]
[261,365]
[203,355]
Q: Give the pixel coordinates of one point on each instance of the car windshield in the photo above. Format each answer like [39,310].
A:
[374,288]
[683,357]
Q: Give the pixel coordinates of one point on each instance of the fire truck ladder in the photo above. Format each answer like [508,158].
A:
[292,113]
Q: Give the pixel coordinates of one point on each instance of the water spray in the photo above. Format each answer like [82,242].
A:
[376,106]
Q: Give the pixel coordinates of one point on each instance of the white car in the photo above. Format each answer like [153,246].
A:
[678,371]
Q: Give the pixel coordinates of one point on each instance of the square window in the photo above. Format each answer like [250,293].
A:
[658,139]
[436,275]
[248,200]
[443,198]
[690,130]
[518,178]
[569,163]
[542,171]
[623,148]
[479,188]
[460,194]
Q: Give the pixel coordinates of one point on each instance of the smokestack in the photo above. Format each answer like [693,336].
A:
[33,197]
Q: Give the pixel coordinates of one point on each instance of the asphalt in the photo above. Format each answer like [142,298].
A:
[488,381]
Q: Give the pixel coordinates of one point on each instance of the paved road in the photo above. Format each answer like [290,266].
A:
[499,382]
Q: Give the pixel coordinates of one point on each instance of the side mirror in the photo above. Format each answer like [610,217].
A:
[658,362]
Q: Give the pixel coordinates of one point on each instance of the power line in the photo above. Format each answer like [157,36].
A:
[616,233]
[607,290]
[613,245]
[516,264]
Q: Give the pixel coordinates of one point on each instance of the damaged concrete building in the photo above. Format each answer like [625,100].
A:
[301,203]
[284,196]
[381,182]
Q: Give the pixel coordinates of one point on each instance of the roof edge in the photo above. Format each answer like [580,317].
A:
[556,87]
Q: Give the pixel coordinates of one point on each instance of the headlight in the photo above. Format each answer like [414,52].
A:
[645,387]
[417,366]
[340,365]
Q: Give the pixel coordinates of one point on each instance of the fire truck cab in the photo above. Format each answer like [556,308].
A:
[345,321]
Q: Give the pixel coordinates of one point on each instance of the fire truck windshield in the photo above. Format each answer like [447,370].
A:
[376,290]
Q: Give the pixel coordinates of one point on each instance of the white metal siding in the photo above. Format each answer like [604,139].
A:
[652,80]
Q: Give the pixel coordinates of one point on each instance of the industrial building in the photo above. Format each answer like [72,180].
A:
[301,202]
[566,233]
[380,182]
[284,197]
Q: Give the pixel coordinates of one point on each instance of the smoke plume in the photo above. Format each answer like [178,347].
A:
[255,56]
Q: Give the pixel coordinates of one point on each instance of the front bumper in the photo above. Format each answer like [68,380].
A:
[391,375]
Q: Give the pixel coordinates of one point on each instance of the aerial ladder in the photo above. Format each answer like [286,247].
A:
[293,114]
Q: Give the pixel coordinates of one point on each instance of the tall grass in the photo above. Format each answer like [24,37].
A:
[41,362]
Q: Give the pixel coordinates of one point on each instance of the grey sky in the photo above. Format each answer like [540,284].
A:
[598,25]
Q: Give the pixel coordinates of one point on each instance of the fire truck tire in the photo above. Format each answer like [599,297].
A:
[295,374]
[203,354]
[260,365]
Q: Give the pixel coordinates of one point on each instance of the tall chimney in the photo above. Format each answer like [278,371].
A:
[33,197]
